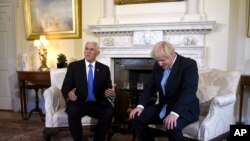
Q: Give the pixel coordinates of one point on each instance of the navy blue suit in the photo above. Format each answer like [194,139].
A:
[101,108]
[180,98]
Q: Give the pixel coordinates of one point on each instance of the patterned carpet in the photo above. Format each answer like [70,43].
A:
[14,130]
[30,130]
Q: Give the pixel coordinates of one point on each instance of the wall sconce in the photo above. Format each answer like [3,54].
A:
[41,45]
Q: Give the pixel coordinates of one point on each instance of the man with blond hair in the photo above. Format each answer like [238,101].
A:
[175,78]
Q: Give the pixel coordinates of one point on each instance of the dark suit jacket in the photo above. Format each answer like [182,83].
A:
[76,77]
[180,89]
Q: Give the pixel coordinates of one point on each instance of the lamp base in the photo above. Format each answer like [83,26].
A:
[43,69]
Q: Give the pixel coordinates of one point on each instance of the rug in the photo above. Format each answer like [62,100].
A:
[30,130]
[20,130]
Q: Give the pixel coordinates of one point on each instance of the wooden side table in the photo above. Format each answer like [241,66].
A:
[32,80]
[244,81]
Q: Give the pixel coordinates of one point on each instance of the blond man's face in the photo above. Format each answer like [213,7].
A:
[166,62]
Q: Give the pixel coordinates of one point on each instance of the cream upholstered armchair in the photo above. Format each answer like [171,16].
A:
[217,91]
[217,94]
[56,118]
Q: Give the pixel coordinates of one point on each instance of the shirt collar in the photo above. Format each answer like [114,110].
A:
[87,63]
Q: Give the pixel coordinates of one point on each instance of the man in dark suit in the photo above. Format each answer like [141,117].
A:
[175,78]
[87,89]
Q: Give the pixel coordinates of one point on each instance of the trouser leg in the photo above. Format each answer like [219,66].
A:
[74,120]
[176,133]
[140,123]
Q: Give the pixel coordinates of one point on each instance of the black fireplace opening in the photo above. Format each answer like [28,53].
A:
[132,71]
[130,77]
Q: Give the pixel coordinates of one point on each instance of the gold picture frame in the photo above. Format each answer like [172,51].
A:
[56,19]
[120,2]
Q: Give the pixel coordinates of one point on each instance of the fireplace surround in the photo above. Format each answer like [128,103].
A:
[137,40]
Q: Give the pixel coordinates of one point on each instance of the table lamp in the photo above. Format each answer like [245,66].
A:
[41,45]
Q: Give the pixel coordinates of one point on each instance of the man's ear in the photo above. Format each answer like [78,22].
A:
[97,53]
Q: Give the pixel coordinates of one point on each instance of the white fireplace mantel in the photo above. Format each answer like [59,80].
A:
[137,40]
[202,26]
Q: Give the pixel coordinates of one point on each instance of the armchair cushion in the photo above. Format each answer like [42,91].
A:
[204,108]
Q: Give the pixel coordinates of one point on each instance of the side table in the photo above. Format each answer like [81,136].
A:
[244,81]
[32,80]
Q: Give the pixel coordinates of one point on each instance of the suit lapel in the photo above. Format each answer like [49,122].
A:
[97,73]
[173,73]
[84,74]
[159,78]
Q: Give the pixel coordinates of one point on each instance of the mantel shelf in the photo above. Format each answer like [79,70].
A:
[170,26]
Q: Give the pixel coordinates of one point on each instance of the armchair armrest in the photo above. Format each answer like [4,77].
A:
[223,100]
[51,103]
[220,117]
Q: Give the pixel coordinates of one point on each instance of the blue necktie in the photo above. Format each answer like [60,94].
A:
[90,84]
[163,83]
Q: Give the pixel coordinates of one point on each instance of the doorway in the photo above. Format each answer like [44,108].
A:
[7,54]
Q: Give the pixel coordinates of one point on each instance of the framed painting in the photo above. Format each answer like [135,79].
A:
[57,19]
[119,2]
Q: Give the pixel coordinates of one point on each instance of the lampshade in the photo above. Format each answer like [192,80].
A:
[43,38]
[37,43]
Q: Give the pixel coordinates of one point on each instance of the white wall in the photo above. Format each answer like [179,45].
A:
[217,40]
[91,13]
[156,12]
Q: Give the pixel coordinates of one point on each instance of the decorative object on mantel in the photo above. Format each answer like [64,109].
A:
[42,45]
[61,61]
[142,1]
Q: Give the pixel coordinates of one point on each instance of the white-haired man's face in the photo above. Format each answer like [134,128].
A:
[91,52]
